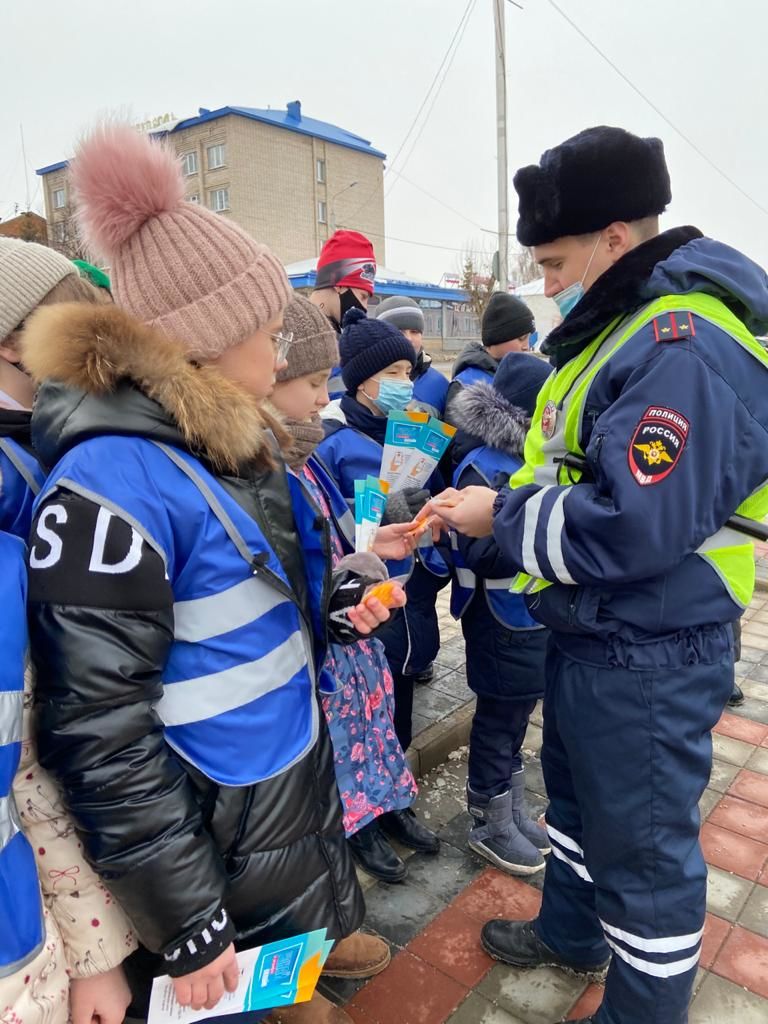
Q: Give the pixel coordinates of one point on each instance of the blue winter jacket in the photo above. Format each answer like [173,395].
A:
[628,547]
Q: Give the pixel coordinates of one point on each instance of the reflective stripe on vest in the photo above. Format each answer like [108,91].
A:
[729,553]
[22,932]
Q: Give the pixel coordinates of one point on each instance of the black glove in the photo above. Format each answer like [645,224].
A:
[351,578]
[404,506]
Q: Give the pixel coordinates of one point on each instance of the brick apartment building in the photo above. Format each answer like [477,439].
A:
[287,179]
[28,226]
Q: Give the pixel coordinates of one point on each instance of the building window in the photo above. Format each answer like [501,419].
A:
[216,156]
[322,212]
[189,163]
[220,200]
[320,171]
[60,232]
[194,198]
[59,198]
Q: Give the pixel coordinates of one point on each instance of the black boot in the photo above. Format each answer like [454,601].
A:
[516,943]
[424,678]
[737,697]
[375,856]
[406,828]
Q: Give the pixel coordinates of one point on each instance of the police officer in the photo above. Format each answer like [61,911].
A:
[660,394]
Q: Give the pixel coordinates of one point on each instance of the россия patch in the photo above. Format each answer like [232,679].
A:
[657,444]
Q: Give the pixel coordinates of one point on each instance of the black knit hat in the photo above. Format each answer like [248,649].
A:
[520,377]
[505,319]
[366,347]
[586,183]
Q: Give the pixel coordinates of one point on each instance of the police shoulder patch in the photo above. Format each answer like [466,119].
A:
[657,444]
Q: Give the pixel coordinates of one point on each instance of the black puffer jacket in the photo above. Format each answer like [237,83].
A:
[187,859]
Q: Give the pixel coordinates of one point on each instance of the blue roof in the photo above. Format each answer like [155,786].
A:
[413,289]
[291,119]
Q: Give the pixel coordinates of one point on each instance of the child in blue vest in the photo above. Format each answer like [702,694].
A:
[376,362]
[372,773]
[181,594]
[505,647]
[430,387]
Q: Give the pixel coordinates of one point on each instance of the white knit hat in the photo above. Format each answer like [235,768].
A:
[28,271]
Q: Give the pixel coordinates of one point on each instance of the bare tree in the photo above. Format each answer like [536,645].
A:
[64,237]
[478,282]
[523,268]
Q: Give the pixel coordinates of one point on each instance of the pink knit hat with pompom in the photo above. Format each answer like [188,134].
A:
[175,265]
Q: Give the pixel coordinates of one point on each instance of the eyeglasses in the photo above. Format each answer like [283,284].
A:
[281,341]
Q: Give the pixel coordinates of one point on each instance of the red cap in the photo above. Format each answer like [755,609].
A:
[347,260]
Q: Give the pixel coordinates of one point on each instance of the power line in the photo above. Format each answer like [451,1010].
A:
[686,138]
[459,37]
[414,122]
[441,202]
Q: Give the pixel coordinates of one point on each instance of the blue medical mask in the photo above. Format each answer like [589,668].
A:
[571,296]
[394,395]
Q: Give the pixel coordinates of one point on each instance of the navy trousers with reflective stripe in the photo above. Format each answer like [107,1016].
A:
[626,757]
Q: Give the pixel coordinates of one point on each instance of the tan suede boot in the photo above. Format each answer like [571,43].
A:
[357,956]
[317,1011]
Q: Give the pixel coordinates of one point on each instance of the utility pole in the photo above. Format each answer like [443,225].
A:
[501,143]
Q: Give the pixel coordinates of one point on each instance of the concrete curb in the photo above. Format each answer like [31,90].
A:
[432,746]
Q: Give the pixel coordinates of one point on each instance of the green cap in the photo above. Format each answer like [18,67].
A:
[97,277]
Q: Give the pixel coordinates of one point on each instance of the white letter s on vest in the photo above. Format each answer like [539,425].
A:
[59,514]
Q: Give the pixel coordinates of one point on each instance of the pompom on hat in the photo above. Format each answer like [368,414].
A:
[173,264]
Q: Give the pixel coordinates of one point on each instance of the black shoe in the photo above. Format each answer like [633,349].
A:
[375,856]
[424,678]
[737,698]
[406,828]
[516,943]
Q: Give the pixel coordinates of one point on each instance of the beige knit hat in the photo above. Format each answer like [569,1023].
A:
[314,345]
[173,264]
[28,271]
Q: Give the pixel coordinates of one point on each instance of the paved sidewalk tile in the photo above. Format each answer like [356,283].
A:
[733,751]
[588,1002]
[721,1002]
[742,817]
[452,944]
[536,997]
[410,991]
[723,775]
[752,786]
[759,761]
[727,894]
[477,1010]
[399,912]
[741,729]
[716,931]
[755,913]
[744,961]
[739,854]
[710,798]
[496,895]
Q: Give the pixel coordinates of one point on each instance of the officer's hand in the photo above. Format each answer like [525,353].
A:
[469,511]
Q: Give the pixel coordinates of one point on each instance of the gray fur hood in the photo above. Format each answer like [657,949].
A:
[483,411]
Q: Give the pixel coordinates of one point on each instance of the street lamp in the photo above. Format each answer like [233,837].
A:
[333,200]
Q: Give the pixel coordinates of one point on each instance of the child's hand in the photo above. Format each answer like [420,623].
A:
[371,613]
[395,542]
[204,988]
[101,999]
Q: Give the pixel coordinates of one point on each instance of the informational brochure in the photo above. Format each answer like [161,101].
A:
[279,974]
[370,501]
[402,437]
[433,441]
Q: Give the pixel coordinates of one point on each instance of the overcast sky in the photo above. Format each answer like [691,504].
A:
[366,66]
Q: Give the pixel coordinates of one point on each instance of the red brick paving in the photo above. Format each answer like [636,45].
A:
[410,991]
[744,960]
[452,944]
[742,817]
[742,729]
[716,931]
[589,1002]
[738,854]
[496,895]
[752,786]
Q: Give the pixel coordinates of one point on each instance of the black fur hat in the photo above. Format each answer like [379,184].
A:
[599,176]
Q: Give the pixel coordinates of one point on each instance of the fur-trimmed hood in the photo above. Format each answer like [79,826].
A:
[484,412]
[103,372]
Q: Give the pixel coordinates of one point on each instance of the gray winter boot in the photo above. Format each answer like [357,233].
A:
[496,837]
[534,833]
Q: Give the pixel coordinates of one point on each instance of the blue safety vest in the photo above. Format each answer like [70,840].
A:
[21,478]
[239,698]
[343,518]
[473,375]
[22,932]
[431,389]
[509,609]
[348,455]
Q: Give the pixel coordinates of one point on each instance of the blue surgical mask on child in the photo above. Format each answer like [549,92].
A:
[571,296]
[394,395]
